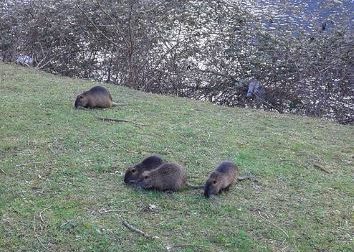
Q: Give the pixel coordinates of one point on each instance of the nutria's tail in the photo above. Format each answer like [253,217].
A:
[250,177]
[194,186]
[114,104]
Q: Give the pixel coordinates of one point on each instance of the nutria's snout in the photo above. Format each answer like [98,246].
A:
[127,181]
[130,178]
[76,105]
[206,191]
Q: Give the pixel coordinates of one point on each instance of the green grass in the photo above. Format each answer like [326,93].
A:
[61,172]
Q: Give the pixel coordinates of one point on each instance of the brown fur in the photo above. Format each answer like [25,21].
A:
[133,174]
[167,177]
[221,179]
[96,97]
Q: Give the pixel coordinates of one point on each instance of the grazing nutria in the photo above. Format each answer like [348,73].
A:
[168,176]
[133,173]
[221,179]
[96,97]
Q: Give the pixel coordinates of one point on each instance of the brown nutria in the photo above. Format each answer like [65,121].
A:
[166,177]
[96,97]
[133,173]
[221,179]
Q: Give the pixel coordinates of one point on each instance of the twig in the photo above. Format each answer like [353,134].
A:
[2,171]
[121,33]
[96,27]
[103,210]
[134,229]
[286,234]
[40,213]
[25,164]
[119,121]
[35,233]
[40,242]
[34,223]
[317,166]
[113,120]
[40,217]
[286,160]
[170,248]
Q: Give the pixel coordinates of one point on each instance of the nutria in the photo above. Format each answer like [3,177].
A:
[133,173]
[221,178]
[166,177]
[96,97]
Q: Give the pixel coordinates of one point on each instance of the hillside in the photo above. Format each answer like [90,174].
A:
[61,173]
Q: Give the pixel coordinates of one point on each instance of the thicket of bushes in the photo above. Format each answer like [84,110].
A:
[197,49]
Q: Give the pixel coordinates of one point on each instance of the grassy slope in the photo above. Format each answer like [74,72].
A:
[61,173]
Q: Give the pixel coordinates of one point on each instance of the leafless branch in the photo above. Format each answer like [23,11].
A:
[319,167]
[96,27]
[134,229]
[119,121]
[121,33]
